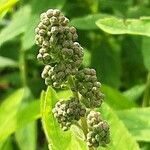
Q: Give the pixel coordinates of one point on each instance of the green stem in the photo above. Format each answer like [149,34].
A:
[83,119]
[22,67]
[72,85]
[146,99]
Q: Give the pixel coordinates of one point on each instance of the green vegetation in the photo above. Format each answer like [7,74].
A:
[115,36]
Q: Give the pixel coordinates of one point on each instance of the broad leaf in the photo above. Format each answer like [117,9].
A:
[6,6]
[51,127]
[116,99]
[67,140]
[12,117]
[26,137]
[8,111]
[137,121]
[7,62]
[115,25]
[87,22]
[135,92]
[7,144]
[16,26]
[121,139]
[106,59]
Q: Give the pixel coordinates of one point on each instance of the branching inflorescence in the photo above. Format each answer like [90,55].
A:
[62,56]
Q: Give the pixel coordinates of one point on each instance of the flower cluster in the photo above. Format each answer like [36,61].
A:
[57,74]
[88,86]
[68,111]
[62,56]
[58,43]
[98,130]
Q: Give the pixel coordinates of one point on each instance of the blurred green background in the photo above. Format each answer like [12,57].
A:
[120,55]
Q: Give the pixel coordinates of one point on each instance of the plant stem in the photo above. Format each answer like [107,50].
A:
[22,66]
[83,119]
[146,98]
[72,85]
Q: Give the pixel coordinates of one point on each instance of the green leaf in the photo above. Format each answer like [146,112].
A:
[28,38]
[87,22]
[12,117]
[51,127]
[121,139]
[132,58]
[27,137]
[67,140]
[135,92]
[7,62]
[137,121]
[8,111]
[106,59]
[29,113]
[6,6]
[116,99]
[115,25]
[16,26]
[65,94]
[146,52]
[7,144]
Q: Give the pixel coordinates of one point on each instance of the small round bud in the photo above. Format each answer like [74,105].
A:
[49,13]
[40,57]
[42,16]
[54,21]
[42,50]
[42,32]
[73,30]
[56,12]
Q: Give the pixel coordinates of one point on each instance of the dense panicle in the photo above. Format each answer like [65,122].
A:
[62,56]
[67,112]
[58,46]
[88,86]
[98,134]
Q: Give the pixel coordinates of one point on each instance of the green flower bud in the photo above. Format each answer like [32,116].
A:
[54,21]
[56,12]
[42,16]
[42,51]
[48,81]
[49,13]
[65,22]
[73,30]
[93,118]
[68,111]
[46,56]
[42,32]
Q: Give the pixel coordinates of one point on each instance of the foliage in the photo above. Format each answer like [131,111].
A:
[115,37]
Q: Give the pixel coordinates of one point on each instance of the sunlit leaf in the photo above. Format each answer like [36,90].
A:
[51,127]
[12,117]
[6,5]
[115,25]
[87,22]
[116,99]
[8,111]
[16,26]
[26,137]
[7,62]
[137,121]
[121,139]
[67,140]
[135,92]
